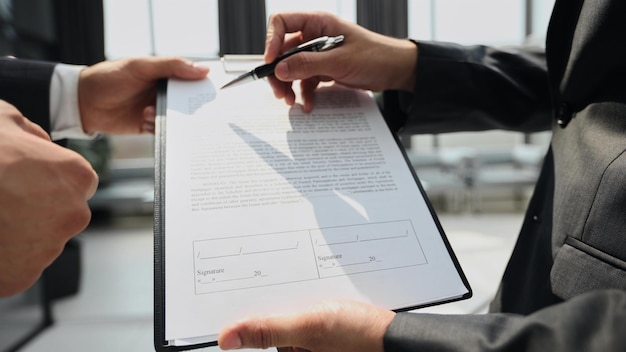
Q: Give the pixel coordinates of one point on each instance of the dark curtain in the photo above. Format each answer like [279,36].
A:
[385,17]
[69,31]
[242,26]
[33,30]
[80,26]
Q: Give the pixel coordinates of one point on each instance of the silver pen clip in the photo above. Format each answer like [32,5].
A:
[331,42]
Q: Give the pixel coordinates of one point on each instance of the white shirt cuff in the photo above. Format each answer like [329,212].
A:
[65,119]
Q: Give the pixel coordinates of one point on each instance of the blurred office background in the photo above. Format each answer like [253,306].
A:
[478,182]
[462,171]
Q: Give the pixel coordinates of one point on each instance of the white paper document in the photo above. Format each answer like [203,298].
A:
[268,209]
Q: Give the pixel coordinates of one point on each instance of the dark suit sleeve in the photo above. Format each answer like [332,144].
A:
[473,88]
[26,85]
[590,322]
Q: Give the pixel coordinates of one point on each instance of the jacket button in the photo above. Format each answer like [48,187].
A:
[564,115]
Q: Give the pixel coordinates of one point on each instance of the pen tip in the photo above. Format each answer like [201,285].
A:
[228,84]
[239,80]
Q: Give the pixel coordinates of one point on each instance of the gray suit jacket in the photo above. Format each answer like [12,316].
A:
[26,84]
[564,288]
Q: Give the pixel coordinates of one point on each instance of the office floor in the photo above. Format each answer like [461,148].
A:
[113,310]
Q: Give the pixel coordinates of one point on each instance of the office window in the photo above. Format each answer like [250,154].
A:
[343,8]
[420,19]
[186,27]
[494,22]
[540,16]
[190,27]
[164,27]
[126,28]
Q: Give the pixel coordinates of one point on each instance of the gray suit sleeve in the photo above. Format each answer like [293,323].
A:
[591,322]
[26,85]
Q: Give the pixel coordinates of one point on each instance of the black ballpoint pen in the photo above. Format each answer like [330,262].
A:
[318,44]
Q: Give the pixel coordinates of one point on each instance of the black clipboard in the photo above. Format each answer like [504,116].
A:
[160,343]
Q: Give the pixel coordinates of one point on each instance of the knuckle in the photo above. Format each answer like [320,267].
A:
[71,220]
[264,337]
[81,174]
[313,332]
[15,115]
[79,219]
[82,217]
[38,130]
[47,255]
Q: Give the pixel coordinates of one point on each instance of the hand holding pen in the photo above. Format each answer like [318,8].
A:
[365,59]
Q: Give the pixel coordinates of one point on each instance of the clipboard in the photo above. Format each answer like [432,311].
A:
[161,343]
